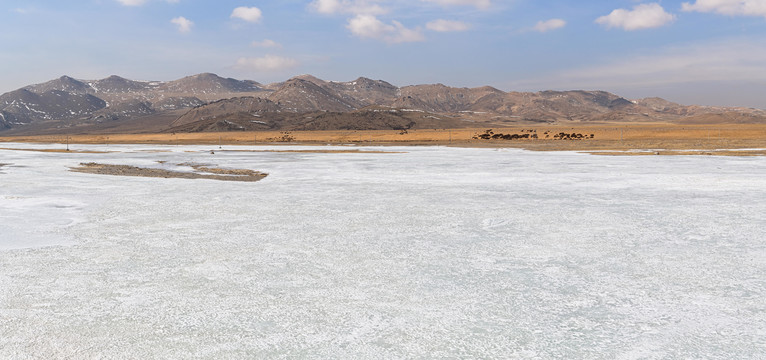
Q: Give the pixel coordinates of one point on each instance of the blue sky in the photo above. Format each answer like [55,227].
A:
[710,52]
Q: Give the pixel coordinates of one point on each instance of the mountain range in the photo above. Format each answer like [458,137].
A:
[208,102]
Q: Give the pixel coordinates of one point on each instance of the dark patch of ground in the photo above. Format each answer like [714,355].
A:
[209,172]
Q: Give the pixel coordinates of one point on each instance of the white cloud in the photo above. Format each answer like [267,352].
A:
[266,44]
[249,14]
[479,4]
[548,25]
[368,26]
[327,6]
[377,7]
[267,63]
[728,7]
[365,23]
[447,25]
[141,2]
[356,7]
[403,34]
[643,16]
[132,2]
[184,24]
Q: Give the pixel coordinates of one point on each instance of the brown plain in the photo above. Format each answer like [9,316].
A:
[606,137]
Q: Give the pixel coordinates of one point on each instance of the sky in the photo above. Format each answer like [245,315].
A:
[706,52]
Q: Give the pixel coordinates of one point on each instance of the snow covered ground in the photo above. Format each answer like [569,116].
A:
[433,252]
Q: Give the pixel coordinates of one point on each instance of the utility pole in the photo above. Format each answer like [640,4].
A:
[67,143]
[219,142]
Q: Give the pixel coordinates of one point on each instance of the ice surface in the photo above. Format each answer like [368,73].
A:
[434,252]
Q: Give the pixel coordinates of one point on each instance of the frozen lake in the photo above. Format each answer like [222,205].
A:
[428,253]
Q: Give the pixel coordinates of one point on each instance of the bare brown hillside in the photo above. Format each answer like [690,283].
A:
[208,102]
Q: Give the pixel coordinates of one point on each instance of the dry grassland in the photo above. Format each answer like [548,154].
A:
[605,137]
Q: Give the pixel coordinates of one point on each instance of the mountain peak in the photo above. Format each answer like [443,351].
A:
[206,75]
[300,94]
[489,89]
[370,82]
[300,82]
[310,78]
[63,83]
[209,83]
[117,84]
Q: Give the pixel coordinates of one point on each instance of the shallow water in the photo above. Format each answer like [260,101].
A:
[434,252]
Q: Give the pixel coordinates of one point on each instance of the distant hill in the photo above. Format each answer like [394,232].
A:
[368,118]
[71,105]
[117,85]
[208,83]
[208,102]
[298,95]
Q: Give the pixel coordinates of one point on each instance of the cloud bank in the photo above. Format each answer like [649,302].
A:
[266,63]
[549,25]
[369,27]
[447,25]
[728,7]
[643,16]
[266,43]
[141,2]
[730,60]
[184,25]
[479,4]
[249,14]
[356,7]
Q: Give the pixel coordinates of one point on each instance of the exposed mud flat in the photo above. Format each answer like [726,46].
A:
[203,172]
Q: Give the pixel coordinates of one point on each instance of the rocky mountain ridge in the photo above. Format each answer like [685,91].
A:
[67,104]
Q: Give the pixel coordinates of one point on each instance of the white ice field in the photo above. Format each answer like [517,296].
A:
[429,253]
